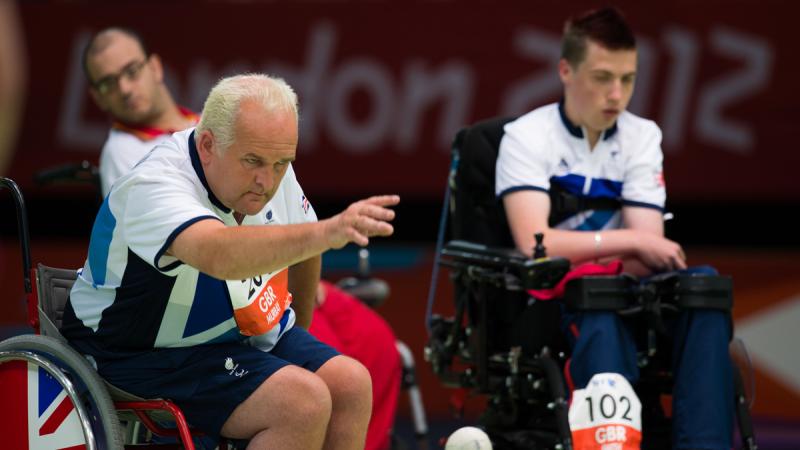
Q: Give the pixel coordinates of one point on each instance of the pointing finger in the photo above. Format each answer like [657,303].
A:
[383,200]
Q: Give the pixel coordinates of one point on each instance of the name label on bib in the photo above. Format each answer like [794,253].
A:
[259,303]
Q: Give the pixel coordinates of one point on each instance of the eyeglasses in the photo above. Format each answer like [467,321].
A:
[110,83]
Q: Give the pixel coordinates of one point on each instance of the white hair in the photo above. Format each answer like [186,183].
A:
[223,103]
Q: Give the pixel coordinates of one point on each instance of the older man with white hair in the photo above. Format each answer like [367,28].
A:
[186,291]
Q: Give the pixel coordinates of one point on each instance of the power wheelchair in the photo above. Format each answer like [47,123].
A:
[504,344]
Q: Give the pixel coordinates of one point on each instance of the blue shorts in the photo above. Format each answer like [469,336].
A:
[209,381]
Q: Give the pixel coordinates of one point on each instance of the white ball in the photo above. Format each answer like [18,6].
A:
[468,438]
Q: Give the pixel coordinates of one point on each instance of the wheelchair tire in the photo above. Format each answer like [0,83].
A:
[89,385]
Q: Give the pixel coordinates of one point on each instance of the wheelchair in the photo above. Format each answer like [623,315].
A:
[59,399]
[503,344]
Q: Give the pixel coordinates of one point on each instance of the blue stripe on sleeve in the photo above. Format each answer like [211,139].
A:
[100,243]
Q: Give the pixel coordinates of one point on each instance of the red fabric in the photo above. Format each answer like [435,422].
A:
[583,270]
[568,379]
[146,133]
[458,398]
[355,330]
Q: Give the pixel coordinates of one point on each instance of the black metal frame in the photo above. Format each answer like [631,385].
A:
[462,354]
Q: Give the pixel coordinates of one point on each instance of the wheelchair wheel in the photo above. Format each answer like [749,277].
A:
[53,398]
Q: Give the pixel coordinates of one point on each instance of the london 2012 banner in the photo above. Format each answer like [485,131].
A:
[384,85]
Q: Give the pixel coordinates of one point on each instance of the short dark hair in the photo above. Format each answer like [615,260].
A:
[606,27]
[95,45]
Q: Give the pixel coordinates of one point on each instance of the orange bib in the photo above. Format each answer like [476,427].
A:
[259,303]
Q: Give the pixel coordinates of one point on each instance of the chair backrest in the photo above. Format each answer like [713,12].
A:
[477,215]
[53,286]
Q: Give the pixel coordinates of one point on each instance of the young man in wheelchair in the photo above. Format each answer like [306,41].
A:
[588,149]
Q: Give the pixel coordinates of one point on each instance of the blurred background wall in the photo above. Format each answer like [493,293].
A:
[384,85]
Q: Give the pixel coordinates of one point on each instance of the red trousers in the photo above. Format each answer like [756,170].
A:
[357,331]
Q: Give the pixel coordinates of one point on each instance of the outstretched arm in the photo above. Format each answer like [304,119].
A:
[232,253]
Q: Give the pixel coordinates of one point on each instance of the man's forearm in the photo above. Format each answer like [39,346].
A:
[233,253]
[580,246]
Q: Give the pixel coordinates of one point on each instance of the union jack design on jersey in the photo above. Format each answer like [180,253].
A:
[37,414]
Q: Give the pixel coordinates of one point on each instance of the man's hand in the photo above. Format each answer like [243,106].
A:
[361,220]
[660,254]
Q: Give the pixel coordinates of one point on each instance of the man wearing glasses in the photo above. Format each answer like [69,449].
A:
[127,82]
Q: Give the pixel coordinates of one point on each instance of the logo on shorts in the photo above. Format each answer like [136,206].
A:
[231,367]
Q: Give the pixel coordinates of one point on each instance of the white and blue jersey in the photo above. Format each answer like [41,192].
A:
[131,296]
[543,149]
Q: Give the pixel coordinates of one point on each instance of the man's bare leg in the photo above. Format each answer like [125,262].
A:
[350,387]
[290,410]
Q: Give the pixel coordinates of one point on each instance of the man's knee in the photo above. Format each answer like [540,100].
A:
[291,396]
[304,394]
[347,379]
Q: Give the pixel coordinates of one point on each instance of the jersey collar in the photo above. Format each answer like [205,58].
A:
[578,131]
[145,133]
[198,168]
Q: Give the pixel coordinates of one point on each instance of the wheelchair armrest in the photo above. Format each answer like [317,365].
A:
[698,291]
[615,293]
[541,273]
[473,253]
[598,293]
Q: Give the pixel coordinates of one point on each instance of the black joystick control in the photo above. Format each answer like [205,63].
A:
[540,251]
